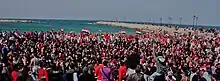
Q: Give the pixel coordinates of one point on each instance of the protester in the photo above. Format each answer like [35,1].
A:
[122,72]
[137,76]
[42,73]
[86,76]
[98,70]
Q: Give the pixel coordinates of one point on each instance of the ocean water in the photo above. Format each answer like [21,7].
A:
[74,26]
[67,25]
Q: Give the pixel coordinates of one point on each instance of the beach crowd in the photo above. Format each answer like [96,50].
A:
[150,56]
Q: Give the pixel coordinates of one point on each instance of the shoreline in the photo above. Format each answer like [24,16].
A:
[149,28]
[8,20]
[145,27]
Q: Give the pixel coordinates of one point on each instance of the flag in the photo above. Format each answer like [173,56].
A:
[122,32]
[85,30]
[138,31]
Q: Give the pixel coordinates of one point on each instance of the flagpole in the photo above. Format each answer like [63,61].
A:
[196,20]
[194,16]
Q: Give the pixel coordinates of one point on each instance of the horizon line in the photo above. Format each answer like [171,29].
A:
[130,21]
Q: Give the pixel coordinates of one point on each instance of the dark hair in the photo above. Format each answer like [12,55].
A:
[105,63]
[99,61]
[138,69]
[122,63]
[160,54]
[194,70]
[160,78]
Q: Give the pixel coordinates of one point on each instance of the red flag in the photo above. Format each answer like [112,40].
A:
[138,31]
[86,30]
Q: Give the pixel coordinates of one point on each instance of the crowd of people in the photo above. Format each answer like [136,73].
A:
[152,56]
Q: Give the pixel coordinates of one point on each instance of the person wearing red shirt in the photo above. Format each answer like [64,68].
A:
[97,71]
[43,74]
[122,72]
[14,75]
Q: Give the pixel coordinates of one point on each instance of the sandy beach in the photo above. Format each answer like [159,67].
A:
[6,20]
[145,27]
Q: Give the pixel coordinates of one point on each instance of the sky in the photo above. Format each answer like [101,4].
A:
[208,11]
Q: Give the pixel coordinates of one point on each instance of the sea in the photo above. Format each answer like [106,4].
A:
[70,26]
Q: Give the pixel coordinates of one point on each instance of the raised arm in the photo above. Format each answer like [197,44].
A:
[154,51]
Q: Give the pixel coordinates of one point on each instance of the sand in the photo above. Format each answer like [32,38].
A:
[145,27]
[148,28]
[5,20]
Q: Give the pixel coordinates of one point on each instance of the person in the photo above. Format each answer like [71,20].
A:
[184,76]
[43,74]
[97,70]
[23,71]
[194,76]
[217,72]
[34,66]
[106,72]
[170,77]
[5,75]
[122,72]
[75,74]
[14,73]
[207,76]
[4,53]
[159,78]
[86,76]
[54,74]
[137,76]
[131,63]
[69,73]
[160,63]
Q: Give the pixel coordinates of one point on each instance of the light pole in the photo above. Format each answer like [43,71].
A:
[161,20]
[170,19]
[197,20]
[194,16]
[181,18]
[150,20]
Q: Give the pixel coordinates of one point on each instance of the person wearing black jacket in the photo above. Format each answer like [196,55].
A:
[217,75]
[23,73]
[85,76]
[54,74]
